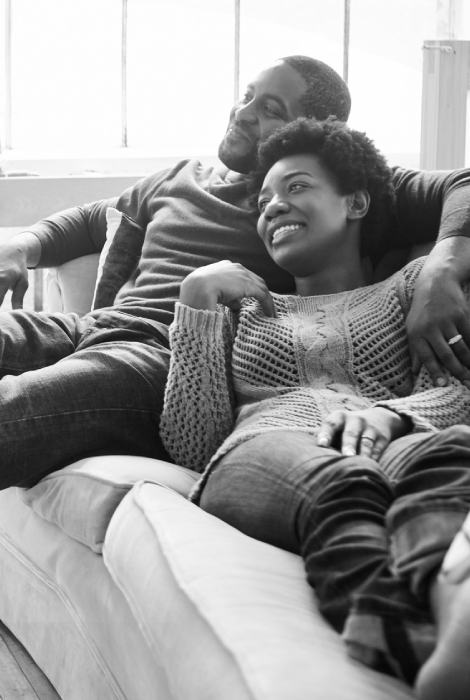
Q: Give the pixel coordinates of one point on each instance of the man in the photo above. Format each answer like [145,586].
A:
[72,387]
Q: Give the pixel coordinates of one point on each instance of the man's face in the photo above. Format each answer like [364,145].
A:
[270,101]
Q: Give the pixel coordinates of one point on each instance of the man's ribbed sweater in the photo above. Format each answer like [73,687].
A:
[345,351]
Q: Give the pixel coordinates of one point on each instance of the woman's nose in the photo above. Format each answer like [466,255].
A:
[275,207]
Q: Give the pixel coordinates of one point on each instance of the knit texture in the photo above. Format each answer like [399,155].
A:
[344,351]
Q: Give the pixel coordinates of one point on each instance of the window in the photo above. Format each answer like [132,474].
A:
[120,85]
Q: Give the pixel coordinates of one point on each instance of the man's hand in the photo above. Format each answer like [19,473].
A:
[366,432]
[439,313]
[16,255]
[225,283]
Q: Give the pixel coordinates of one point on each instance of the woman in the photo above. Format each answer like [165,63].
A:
[315,434]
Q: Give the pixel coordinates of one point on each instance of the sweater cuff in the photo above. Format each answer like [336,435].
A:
[199,320]
[417,423]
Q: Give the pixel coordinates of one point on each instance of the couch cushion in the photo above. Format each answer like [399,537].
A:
[60,601]
[81,498]
[227,616]
[70,286]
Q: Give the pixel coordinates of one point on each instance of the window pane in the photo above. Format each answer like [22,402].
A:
[271,29]
[180,74]
[66,73]
[385,72]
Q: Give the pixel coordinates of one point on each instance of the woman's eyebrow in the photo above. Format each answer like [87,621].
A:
[295,173]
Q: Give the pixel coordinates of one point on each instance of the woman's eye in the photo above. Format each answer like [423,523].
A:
[262,204]
[296,186]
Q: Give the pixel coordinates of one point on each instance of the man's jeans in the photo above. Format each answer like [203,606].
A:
[371,535]
[71,387]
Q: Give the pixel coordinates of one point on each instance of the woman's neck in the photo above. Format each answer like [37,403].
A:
[340,276]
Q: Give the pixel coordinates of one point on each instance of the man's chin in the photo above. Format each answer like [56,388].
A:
[238,162]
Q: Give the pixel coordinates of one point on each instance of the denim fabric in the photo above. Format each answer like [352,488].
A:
[370,534]
[72,387]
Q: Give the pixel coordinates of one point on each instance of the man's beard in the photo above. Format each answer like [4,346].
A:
[238,163]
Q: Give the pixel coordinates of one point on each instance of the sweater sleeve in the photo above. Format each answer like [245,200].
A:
[81,230]
[431,205]
[198,411]
[433,408]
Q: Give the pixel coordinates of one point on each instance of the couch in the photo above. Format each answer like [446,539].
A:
[121,589]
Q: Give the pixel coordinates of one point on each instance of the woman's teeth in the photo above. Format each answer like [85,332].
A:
[285,229]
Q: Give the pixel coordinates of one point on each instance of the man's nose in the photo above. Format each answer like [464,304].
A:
[276,206]
[246,113]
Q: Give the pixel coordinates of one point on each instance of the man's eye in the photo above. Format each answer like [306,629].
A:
[272,111]
[247,98]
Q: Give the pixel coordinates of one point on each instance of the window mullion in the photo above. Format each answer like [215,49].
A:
[236,67]
[347,26]
[8,74]
[124,143]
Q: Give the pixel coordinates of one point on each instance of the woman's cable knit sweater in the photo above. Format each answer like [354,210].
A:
[234,376]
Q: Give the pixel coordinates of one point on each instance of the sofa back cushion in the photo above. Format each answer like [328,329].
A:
[119,259]
[81,498]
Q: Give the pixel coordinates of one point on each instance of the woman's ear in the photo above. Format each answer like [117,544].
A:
[358,204]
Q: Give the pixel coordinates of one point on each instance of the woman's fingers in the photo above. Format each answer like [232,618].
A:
[263,295]
[331,426]
[225,283]
[236,283]
[356,440]
[362,432]
[366,445]
[380,445]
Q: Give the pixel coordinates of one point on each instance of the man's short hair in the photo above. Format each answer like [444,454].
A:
[351,159]
[327,93]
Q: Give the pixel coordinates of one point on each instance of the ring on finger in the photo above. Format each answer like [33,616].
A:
[368,439]
[454,340]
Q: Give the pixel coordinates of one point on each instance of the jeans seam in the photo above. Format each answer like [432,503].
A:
[86,410]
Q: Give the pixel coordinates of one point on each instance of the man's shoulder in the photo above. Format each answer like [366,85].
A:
[194,168]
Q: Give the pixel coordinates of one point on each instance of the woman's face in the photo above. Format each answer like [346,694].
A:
[303,218]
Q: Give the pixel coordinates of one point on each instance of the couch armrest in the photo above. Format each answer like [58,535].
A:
[70,286]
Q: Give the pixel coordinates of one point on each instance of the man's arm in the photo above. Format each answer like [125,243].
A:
[52,241]
[439,312]
[436,205]
[431,205]
[68,235]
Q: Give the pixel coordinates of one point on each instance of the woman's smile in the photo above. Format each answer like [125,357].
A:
[285,231]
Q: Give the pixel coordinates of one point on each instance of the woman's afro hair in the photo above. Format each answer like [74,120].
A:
[351,159]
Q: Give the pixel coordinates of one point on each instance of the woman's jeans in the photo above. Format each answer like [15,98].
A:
[72,387]
[372,535]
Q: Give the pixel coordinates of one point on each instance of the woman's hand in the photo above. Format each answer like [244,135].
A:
[366,432]
[225,283]
[439,313]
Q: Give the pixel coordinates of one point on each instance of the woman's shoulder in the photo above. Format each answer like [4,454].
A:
[405,278]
